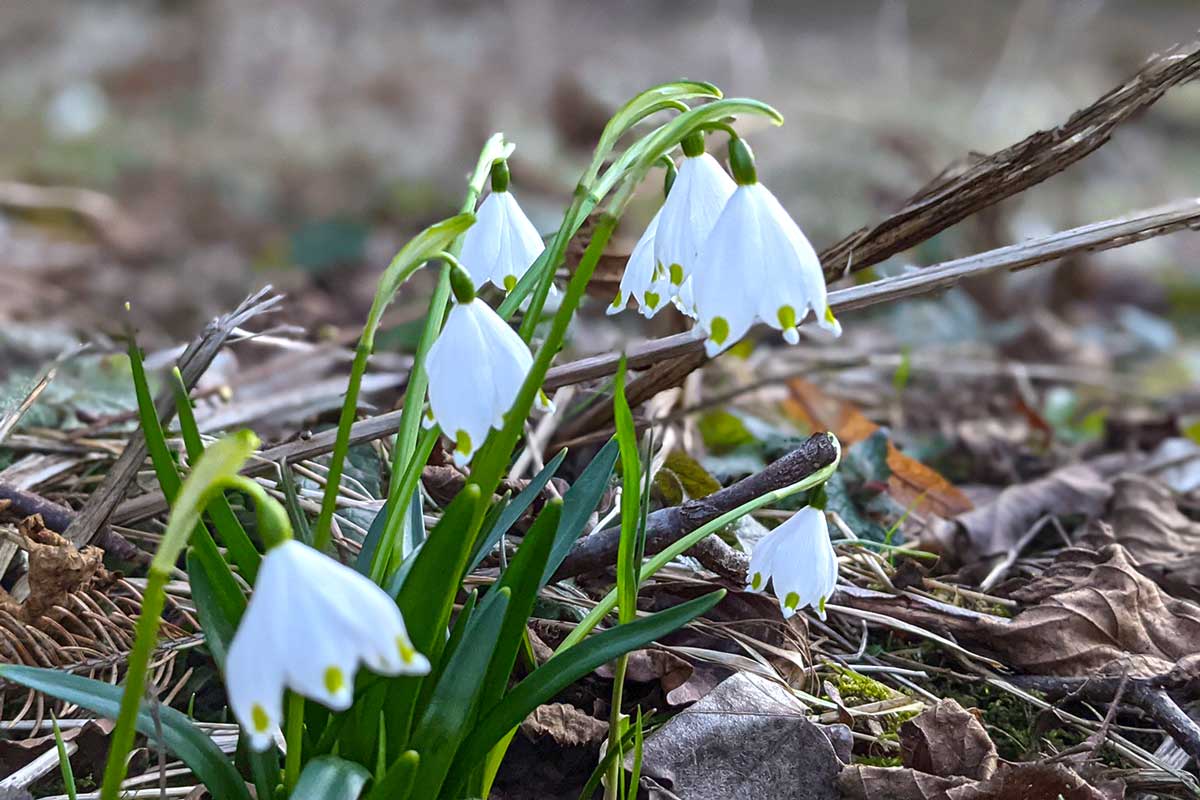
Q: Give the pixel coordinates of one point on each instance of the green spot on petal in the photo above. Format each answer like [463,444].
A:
[652,299]
[335,680]
[259,718]
[510,281]
[829,317]
[792,600]
[659,271]
[407,653]
[756,582]
[676,274]
[787,317]
[617,301]
[821,607]
[462,442]
[720,330]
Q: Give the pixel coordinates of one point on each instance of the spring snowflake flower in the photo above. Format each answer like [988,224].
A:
[502,244]
[692,208]
[311,621]
[799,558]
[639,281]
[476,368]
[757,266]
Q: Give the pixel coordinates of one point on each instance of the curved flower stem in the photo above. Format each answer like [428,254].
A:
[657,562]
[295,737]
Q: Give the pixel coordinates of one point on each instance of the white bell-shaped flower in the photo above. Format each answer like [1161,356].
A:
[757,266]
[502,244]
[643,280]
[310,623]
[476,368]
[799,559]
[697,197]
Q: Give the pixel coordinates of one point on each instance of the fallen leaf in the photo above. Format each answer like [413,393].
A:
[1096,613]
[994,528]
[1165,544]
[564,723]
[1026,781]
[57,568]
[947,740]
[702,753]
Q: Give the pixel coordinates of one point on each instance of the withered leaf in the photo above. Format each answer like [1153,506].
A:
[947,740]
[1107,618]
[564,723]
[1026,781]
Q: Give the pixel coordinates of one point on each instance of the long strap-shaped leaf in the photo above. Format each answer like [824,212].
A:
[331,778]
[179,735]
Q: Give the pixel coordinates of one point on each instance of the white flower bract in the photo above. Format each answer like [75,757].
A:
[310,623]
[799,558]
[476,368]
[502,244]
[692,208]
[757,266]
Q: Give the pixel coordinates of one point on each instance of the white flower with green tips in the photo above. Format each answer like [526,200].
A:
[639,282]
[697,196]
[502,244]
[310,623]
[476,369]
[798,559]
[757,266]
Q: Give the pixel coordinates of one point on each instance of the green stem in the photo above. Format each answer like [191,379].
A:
[324,529]
[614,727]
[145,637]
[678,548]
[294,737]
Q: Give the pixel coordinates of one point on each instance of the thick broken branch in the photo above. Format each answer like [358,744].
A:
[668,525]
[957,194]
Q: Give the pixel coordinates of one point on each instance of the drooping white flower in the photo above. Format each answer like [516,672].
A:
[757,266]
[799,559]
[476,368]
[643,280]
[310,623]
[692,207]
[502,244]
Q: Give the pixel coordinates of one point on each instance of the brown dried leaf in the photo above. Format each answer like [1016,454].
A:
[1097,613]
[564,723]
[648,666]
[992,529]
[1165,545]
[57,568]
[1027,781]
[947,740]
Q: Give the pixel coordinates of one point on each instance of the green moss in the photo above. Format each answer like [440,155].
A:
[879,761]
[857,689]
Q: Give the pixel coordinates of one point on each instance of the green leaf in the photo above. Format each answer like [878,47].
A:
[331,778]
[455,701]
[578,504]
[567,667]
[515,509]
[64,759]
[397,783]
[631,504]
[179,735]
[219,626]
[723,432]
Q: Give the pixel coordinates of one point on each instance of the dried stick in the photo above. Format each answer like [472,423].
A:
[668,525]
[192,364]
[58,518]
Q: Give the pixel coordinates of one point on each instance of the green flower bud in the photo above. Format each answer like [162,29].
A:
[500,175]
[460,284]
[741,163]
[693,144]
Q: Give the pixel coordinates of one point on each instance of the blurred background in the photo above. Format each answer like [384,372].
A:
[238,142]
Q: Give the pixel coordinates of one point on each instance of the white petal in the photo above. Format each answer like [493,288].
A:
[762,561]
[639,277]
[254,676]
[508,356]
[692,208]
[728,275]
[460,364]
[805,566]
[791,268]
[502,244]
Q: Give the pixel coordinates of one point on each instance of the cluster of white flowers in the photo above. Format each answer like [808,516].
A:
[727,253]
[799,559]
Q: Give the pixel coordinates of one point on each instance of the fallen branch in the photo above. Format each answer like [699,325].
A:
[58,518]
[668,525]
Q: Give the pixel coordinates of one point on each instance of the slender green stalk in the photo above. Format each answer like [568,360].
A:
[216,470]
[678,548]
[295,739]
